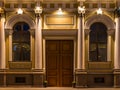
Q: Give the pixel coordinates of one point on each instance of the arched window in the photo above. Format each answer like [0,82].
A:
[21,42]
[98,42]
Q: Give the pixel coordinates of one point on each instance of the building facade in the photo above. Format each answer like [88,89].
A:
[61,42]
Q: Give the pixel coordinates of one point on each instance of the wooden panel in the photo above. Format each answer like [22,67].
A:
[52,69]
[52,46]
[1,79]
[66,60]
[59,62]
[52,61]
[66,47]
[66,70]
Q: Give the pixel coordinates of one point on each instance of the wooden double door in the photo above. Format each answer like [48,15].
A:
[59,63]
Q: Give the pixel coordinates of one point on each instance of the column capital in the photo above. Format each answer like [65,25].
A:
[117,12]
[38,11]
[87,31]
[111,32]
[1,12]
[9,31]
[81,11]
[32,31]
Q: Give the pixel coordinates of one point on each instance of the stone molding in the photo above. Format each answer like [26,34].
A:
[19,18]
[100,18]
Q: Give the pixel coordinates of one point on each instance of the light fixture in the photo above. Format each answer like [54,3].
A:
[81,10]
[20,11]
[99,11]
[60,12]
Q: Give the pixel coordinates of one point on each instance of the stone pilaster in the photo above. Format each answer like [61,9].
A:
[117,50]
[81,74]
[2,43]
[117,45]
[80,45]
[38,43]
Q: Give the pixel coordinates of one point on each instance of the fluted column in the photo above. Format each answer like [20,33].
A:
[117,45]
[38,43]
[2,43]
[80,44]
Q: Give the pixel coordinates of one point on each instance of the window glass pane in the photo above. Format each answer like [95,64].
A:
[25,27]
[21,42]
[98,42]
[21,52]
[93,47]
[25,37]
[93,55]
[102,52]
[16,36]
[16,51]
[93,37]
[25,49]
[102,36]
[17,27]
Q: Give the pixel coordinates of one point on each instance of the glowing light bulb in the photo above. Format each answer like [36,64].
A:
[99,11]
[20,11]
[60,12]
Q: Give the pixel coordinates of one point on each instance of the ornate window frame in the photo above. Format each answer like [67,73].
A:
[109,23]
[11,21]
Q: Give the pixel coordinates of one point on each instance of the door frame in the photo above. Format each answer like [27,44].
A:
[61,38]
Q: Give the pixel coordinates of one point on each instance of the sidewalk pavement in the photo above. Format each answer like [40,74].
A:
[55,88]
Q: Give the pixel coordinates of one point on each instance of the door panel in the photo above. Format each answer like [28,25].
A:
[52,46]
[67,69]
[66,47]
[59,62]
[52,69]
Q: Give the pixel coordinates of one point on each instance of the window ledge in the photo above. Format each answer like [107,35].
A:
[20,65]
